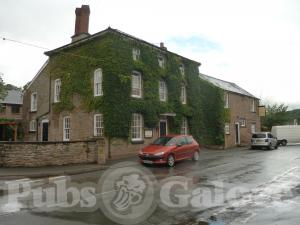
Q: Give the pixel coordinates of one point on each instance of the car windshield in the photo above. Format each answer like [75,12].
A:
[165,141]
[259,136]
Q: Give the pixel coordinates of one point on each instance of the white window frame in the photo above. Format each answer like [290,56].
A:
[183,94]
[33,105]
[66,128]
[32,126]
[136,54]
[137,127]
[161,61]
[227,128]
[253,106]
[226,100]
[98,125]
[98,80]
[163,91]
[182,70]
[253,128]
[184,126]
[57,86]
[136,85]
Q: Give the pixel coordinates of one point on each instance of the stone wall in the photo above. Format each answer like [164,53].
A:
[37,154]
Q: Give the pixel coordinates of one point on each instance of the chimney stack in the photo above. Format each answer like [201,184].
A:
[81,23]
[162,46]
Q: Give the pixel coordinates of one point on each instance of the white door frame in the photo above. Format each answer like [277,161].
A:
[44,121]
[163,120]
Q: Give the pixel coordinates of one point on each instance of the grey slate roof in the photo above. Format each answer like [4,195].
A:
[227,86]
[13,97]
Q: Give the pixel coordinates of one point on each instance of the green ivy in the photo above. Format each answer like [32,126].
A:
[113,54]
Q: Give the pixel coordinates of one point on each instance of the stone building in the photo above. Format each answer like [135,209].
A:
[118,87]
[10,115]
[243,112]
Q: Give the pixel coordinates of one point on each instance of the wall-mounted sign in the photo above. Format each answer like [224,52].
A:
[148,133]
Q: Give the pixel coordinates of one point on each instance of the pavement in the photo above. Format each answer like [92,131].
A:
[50,171]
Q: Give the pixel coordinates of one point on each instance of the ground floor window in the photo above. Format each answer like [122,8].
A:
[227,128]
[184,126]
[98,125]
[32,125]
[66,128]
[137,127]
[253,128]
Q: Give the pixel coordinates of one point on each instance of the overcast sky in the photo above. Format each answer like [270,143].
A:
[254,43]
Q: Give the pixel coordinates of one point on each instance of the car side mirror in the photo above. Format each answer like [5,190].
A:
[178,144]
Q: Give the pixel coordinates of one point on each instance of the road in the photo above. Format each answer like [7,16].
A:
[238,186]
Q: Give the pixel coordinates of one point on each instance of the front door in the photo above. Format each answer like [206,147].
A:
[45,126]
[237,134]
[162,128]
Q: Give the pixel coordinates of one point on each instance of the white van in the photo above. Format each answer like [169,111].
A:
[287,134]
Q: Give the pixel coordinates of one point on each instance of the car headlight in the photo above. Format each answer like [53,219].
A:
[159,154]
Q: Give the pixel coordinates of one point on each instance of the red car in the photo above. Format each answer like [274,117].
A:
[170,149]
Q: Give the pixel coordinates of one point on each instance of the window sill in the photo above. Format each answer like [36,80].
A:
[32,131]
[135,142]
[33,111]
[136,96]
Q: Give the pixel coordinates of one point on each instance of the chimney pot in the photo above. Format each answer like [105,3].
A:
[81,23]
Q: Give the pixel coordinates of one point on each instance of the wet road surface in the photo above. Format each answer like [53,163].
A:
[247,186]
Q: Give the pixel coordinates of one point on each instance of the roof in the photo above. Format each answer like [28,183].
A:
[227,86]
[101,33]
[13,97]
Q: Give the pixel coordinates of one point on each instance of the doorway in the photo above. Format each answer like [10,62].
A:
[45,130]
[237,134]
[163,128]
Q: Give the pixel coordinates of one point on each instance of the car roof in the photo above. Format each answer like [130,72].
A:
[176,135]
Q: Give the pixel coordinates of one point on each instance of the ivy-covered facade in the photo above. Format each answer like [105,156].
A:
[124,89]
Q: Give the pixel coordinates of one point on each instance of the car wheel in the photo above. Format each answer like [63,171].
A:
[270,147]
[276,146]
[284,143]
[252,147]
[170,161]
[196,156]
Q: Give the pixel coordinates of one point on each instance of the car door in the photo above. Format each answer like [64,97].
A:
[180,151]
[190,147]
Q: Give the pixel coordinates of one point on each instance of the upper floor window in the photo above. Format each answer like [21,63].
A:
[136,85]
[33,106]
[57,85]
[183,94]
[163,92]
[181,68]
[137,127]
[136,54]
[161,61]
[184,126]
[15,109]
[98,125]
[98,82]
[32,125]
[66,128]
[253,106]
[226,100]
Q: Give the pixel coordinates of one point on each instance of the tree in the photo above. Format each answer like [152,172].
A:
[276,115]
[2,88]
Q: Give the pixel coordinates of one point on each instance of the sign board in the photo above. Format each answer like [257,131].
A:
[148,133]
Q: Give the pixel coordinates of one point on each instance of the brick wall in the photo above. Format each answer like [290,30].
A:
[8,113]
[36,154]
[240,108]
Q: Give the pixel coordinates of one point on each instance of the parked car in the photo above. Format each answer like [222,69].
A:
[170,149]
[286,134]
[263,140]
